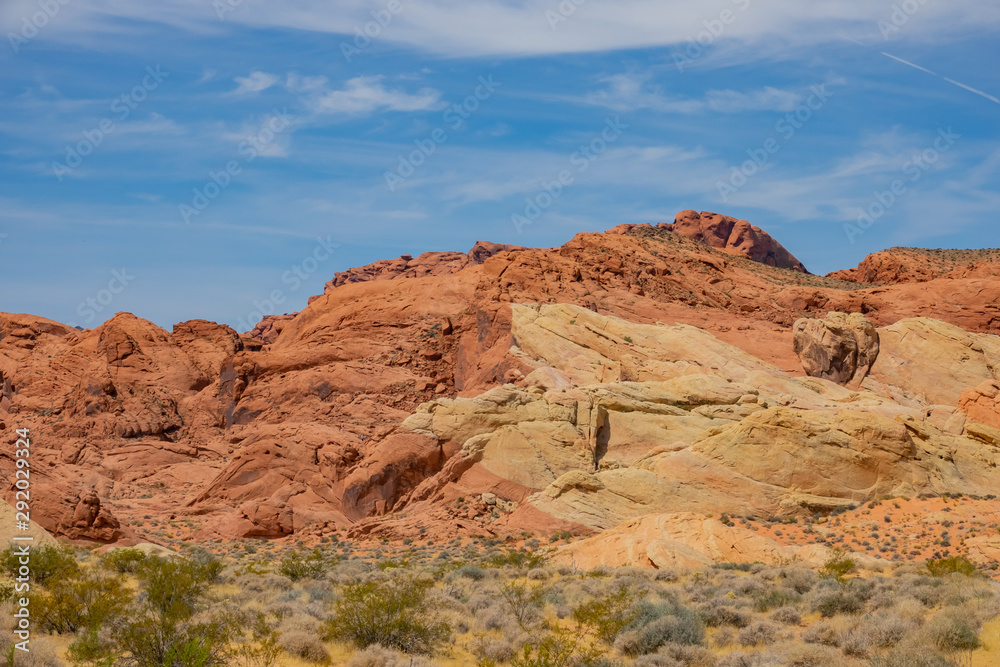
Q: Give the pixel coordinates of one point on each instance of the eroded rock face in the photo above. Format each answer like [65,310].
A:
[737,237]
[91,521]
[841,348]
[982,403]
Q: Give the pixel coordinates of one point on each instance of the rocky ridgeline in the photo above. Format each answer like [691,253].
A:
[628,382]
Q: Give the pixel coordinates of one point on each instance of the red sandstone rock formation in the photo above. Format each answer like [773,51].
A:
[303,434]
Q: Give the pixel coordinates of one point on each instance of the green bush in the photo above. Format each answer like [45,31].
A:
[123,560]
[297,565]
[394,614]
[522,601]
[953,565]
[160,629]
[838,566]
[48,562]
[610,614]
[517,559]
[86,602]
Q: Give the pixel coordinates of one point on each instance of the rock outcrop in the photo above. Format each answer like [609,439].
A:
[571,388]
[610,426]
[681,541]
[841,348]
[917,265]
[736,237]
[982,403]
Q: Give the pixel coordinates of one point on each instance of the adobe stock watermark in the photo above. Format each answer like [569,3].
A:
[455,117]
[365,34]
[901,14]
[249,149]
[294,278]
[714,29]
[93,305]
[580,160]
[223,7]
[562,12]
[913,169]
[122,106]
[34,24]
[786,127]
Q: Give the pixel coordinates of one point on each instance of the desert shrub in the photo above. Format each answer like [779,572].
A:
[394,614]
[496,618]
[788,615]
[261,649]
[496,649]
[78,603]
[153,641]
[810,655]
[758,633]
[666,575]
[720,612]
[910,658]
[886,629]
[298,564]
[49,562]
[609,614]
[655,625]
[306,646]
[827,633]
[42,654]
[473,572]
[377,656]
[656,660]
[299,622]
[555,650]
[774,598]
[955,564]
[844,600]
[160,628]
[123,560]
[516,559]
[690,656]
[838,566]
[952,631]
[752,659]
[538,574]
[799,579]
[522,602]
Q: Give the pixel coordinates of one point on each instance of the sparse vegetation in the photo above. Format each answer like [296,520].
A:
[382,605]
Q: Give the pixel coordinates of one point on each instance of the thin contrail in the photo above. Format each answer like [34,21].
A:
[973,90]
[951,81]
[907,62]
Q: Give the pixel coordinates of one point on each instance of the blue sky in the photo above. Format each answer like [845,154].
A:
[195,158]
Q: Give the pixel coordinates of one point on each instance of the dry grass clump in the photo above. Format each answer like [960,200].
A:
[306,646]
[378,656]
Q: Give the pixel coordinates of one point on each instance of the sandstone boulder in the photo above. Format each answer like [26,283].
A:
[841,348]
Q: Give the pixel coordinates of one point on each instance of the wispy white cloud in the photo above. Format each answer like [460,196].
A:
[256,82]
[630,92]
[362,95]
[502,27]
